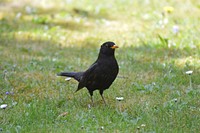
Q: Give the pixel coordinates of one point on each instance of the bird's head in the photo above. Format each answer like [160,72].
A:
[108,48]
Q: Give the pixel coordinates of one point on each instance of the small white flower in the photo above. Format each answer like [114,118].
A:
[102,128]
[153,83]
[19,32]
[143,125]
[189,72]
[175,100]
[146,16]
[89,106]
[54,59]
[165,21]
[171,43]
[68,79]
[18,15]
[119,98]
[3,106]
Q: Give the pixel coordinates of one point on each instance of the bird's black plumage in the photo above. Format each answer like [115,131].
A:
[101,74]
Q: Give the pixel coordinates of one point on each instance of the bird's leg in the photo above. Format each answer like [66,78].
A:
[92,101]
[91,94]
[101,93]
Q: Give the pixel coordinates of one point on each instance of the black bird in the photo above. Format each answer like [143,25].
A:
[101,74]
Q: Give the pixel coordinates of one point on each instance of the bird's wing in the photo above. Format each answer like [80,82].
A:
[89,75]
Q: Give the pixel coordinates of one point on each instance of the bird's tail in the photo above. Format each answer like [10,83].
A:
[67,74]
[75,75]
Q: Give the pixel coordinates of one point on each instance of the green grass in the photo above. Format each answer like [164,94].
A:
[38,40]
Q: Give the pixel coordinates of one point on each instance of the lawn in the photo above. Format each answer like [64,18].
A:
[159,43]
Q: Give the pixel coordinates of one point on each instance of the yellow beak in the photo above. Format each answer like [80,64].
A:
[114,47]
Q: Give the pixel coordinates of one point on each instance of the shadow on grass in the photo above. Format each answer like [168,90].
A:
[143,64]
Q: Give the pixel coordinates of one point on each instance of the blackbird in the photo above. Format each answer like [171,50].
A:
[101,74]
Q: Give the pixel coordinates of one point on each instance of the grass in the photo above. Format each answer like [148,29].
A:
[39,39]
